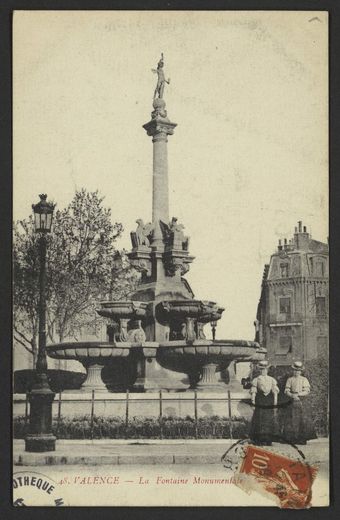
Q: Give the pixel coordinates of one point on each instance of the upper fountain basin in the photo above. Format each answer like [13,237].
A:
[123,309]
[203,311]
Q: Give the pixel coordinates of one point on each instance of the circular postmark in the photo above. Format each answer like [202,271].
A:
[31,488]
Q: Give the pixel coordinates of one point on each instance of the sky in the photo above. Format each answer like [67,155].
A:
[248,159]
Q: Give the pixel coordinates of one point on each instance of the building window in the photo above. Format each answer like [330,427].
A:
[320,306]
[284,270]
[285,306]
[319,268]
[285,345]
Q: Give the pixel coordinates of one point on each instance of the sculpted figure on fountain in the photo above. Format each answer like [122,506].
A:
[143,235]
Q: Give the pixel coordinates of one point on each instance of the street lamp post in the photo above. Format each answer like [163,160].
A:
[40,437]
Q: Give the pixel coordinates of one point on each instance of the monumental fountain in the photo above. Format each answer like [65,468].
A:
[157,338]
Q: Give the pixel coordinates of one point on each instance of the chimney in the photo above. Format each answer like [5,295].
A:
[279,246]
[285,244]
[301,239]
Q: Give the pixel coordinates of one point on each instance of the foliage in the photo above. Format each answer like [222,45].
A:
[26,285]
[142,428]
[83,267]
[316,403]
[317,372]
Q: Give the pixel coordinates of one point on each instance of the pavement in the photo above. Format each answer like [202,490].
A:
[149,452]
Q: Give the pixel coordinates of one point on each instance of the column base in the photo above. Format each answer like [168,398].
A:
[34,442]
[218,387]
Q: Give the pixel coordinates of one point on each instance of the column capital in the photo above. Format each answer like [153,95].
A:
[159,128]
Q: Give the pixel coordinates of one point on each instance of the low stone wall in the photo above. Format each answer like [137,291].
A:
[144,405]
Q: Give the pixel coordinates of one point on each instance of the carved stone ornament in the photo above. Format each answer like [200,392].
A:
[159,109]
[142,237]
[200,331]
[137,335]
[184,268]
[173,264]
[142,265]
[159,129]
[123,332]
[173,235]
[188,329]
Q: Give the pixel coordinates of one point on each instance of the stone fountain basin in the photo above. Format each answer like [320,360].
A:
[88,351]
[203,311]
[183,357]
[123,309]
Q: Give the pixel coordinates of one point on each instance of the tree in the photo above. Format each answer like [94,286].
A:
[83,267]
[25,286]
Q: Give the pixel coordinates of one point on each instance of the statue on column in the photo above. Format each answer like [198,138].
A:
[297,426]
[264,393]
[161,79]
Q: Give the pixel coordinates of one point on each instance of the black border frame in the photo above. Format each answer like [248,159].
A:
[196,513]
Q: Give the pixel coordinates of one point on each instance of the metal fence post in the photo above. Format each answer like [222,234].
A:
[26,412]
[127,414]
[229,415]
[196,415]
[59,412]
[92,413]
[160,414]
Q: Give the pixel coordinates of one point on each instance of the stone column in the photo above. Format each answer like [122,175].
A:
[160,184]
[159,128]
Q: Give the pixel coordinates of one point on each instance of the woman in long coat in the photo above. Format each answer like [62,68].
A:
[264,391]
[297,426]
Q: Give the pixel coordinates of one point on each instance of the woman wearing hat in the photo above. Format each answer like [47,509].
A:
[264,391]
[297,429]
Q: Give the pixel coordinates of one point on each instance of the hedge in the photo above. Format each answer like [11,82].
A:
[141,428]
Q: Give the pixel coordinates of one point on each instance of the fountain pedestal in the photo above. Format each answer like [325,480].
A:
[208,381]
[151,376]
[94,379]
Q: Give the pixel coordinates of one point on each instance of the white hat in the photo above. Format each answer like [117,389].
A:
[297,365]
[263,364]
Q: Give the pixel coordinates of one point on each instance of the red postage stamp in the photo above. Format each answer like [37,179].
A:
[289,480]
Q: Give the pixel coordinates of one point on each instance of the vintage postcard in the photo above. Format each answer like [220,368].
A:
[170,258]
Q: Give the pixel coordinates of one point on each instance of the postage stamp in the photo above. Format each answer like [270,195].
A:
[287,480]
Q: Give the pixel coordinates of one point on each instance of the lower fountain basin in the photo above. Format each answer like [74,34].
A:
[202,359]
[179,354]
[88,351]
[199,359]
[94,356]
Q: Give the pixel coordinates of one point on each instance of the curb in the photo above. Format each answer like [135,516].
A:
[114,460]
